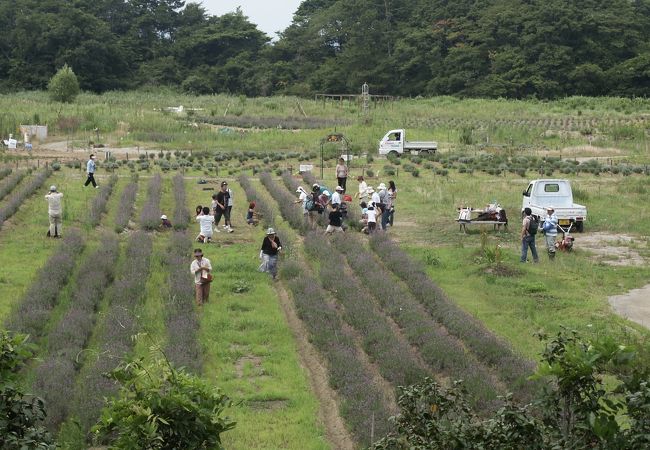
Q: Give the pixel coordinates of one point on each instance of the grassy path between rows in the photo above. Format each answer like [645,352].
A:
[249,350]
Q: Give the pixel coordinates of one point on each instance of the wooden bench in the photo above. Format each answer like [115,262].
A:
[462,224]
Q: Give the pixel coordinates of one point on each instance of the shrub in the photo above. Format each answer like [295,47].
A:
[5,171]
[370,173]
[10,183]
[21,415]
[15,201]
[415,173]
[182,215]
[285,201]
[162,407]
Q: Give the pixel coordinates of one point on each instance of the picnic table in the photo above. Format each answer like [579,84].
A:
[465,217]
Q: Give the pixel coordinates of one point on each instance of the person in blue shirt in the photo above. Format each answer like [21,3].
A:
[90,169]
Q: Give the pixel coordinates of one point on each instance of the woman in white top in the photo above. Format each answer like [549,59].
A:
[206,221]
[362,195]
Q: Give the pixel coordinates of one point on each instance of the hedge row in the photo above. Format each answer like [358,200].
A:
[34,310]
[5,171]
[16,200]
[442,352]
[115,339]
[490,349]
[125,208]
[150,215]
[394,359]
[181,219]
[182,323]
[10,183]
[285,201]
[55,376]
[100,202]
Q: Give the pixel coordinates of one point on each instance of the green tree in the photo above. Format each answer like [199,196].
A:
[63,86]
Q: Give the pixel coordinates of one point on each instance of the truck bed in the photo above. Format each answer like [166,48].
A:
[420,144]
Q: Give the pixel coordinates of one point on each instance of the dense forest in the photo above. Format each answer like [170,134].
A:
[484,48]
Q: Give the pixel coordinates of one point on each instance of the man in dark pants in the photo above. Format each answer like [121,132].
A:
[221,208]
[528,232]
[90,169]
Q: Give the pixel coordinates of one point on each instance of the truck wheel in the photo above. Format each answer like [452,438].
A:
[580,227]
[393,154]
[424,152]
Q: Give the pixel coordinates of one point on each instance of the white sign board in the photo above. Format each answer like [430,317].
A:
[306,167]
[12,144]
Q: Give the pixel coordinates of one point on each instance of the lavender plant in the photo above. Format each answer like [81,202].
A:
[16,200]
[98,206]
[55,378]
[181,213]
[394,359]
[115,338]
[490,349]
[5,171]
[125,208]
[32,313]
[285,200]
[150,215]
[183,348]
[10,183]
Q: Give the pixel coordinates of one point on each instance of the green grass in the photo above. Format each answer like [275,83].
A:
[250,351]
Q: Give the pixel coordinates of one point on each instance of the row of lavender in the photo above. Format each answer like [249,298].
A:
[5,171]
[488,348]
[125,206]
[182,322]
[55,377]
[115,336]
[10,183]
[16,200]
[372,286]
[150,214]
[362,403]
[100,202]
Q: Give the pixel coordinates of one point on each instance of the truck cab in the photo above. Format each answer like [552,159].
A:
[557,193]
[394,143]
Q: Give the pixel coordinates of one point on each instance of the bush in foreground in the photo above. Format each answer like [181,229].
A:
[160,407]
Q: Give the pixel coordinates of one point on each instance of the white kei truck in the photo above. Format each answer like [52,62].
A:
[556,193]
[394,143]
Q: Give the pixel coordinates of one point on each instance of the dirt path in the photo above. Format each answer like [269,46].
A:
[634,305]
[613,249]
[335,430]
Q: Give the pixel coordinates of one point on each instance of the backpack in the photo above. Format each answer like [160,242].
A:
[310,205]
[533,225]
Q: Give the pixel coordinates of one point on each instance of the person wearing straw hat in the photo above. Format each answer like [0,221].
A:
[54,211]
[550,230]
[201,269]
[164,222]
[271,247]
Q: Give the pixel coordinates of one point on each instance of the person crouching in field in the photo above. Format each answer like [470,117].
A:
[54,211]
[251,215]
[201,269]
[205,220]
[271,247]
[165,223]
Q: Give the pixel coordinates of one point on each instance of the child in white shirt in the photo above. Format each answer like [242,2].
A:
[206,221]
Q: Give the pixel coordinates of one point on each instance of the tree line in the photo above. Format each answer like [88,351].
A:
[486,48]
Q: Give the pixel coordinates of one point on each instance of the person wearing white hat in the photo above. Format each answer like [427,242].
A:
[164,222]
[550,230]
[271,247]
[302,198]
[54,211]
[336,196]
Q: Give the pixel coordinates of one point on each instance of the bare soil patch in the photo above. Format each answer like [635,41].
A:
[634,305]
[612,249]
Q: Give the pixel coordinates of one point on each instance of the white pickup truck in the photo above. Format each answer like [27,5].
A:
[556,193]
[394,143]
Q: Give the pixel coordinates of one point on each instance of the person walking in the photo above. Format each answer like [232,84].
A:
[201,269]
[271,247]
[342,173]
[221,207]
[386,203]
[529,229]
[550,231]
[228,215]
[54,211]
[91,167]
